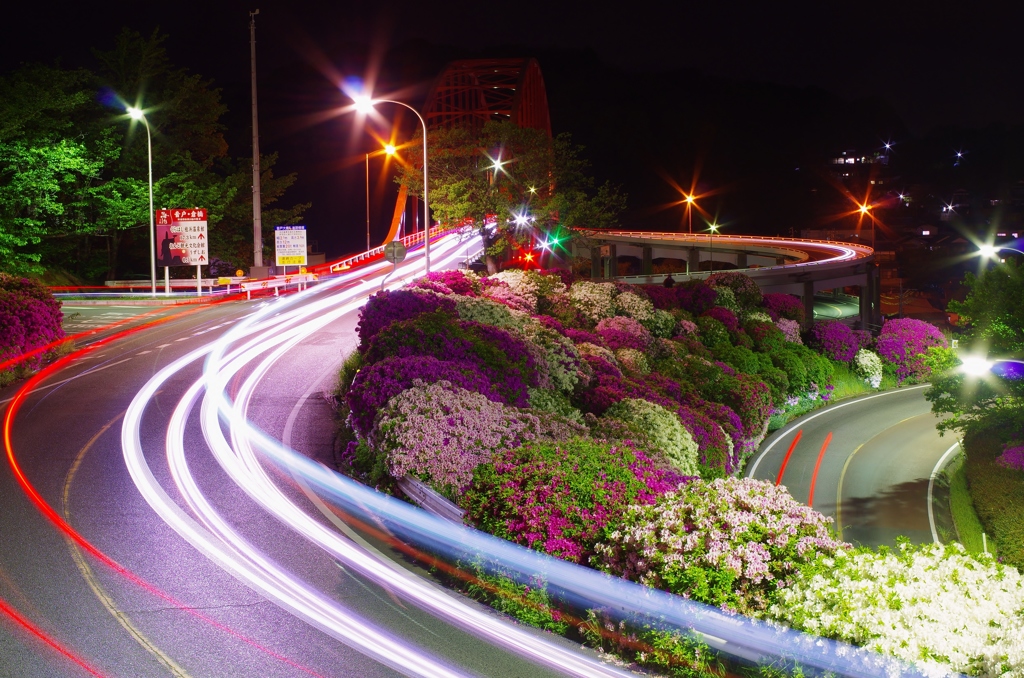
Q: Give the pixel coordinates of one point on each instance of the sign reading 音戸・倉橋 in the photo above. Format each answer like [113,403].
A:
[181,237]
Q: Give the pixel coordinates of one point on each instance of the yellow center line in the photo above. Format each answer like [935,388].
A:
[842,475]
[90,577]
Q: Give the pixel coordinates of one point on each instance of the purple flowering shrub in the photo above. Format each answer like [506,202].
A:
[584,337]
[714,447]
[695,296]
[30,317]
[904,342]
[663,298]
[751,399]
[560,498]
[504,359]
[390,306]
[785,306]
[1012,456]
[834,340]
[503,294]
[790,330]
[560,307]
[767,337]
[376,384]
[746,291]
[440,433]
[729,542]
[623,332]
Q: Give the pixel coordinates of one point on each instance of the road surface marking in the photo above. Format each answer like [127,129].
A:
[825,410]
[180,339]
[90,578]
[143,352]
[163,345]
[931,486]
[839,493]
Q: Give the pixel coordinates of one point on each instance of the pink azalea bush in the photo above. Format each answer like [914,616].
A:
[790,329]
[30,317]
[904,342]
[730,542]
[746,291]
[559,498]
[1012,456]
[440,433]
[835,340]
[785,306]
[623,332]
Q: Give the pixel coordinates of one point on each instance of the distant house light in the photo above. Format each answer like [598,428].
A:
[926,232]
[1001,235]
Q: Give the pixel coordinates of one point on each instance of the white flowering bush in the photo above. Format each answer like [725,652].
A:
[593,300]
[635,306]
[730,542]
[934,605]
[791,329]
[633,361]
[663,430]
[559,354]
[868,366]
[530,285]
[755,316]
[726,298]
[662,324]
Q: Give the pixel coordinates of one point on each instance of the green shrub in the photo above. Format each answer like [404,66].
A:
[743,359]
[794,367]
[670,439]
[997,494]
[671,652]
[712,332]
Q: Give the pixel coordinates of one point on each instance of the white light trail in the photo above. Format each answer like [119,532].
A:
[249,351]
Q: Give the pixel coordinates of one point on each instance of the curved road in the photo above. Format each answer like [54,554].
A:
[103,586]
[875,477]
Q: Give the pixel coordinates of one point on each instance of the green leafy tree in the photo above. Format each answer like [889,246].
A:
[993,318]
[512,183]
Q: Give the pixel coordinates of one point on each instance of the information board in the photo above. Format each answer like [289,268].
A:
[290,245]
[182,238]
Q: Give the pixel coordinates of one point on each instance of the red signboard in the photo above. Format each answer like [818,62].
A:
[181,237]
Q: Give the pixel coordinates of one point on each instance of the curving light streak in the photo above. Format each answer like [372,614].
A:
[270,333]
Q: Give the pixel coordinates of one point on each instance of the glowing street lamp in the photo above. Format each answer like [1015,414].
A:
[689,212]
[712,229]
[365,105]
[989,251]
[389,149]
[138,114]
[865,210]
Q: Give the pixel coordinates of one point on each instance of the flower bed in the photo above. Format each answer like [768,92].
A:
[30,318]
[904,342]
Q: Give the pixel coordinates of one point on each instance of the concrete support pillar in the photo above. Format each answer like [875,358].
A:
[808,299]
[865,303]
[741,260]
[694,259]
[611,262]
[647,263]
[876,296]
[780,261]
[595,262]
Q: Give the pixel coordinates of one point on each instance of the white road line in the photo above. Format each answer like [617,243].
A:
[181,339]
[143,352]
[931,485]
[163,345]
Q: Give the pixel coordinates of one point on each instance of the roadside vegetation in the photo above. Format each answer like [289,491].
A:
[30,327]
[608,425]
[987,411]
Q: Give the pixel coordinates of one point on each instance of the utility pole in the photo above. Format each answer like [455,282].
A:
[257,216]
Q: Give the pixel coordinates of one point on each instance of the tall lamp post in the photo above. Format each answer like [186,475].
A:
[389,149]
[712,229]
[865,210]
[366,105]
[137,114]
[689,213]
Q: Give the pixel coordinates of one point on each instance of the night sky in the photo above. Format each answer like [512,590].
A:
[913,69]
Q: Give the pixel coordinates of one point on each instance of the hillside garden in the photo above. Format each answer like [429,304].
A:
[608,425]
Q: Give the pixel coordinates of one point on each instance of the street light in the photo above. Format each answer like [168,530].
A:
[365,105]
[865,210]
[712,229]
[137,114]
[689,212]
[989,251]
[388,149]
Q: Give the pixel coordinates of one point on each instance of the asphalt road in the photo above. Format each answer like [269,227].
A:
[875,474]
[164,608]
[150,603]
